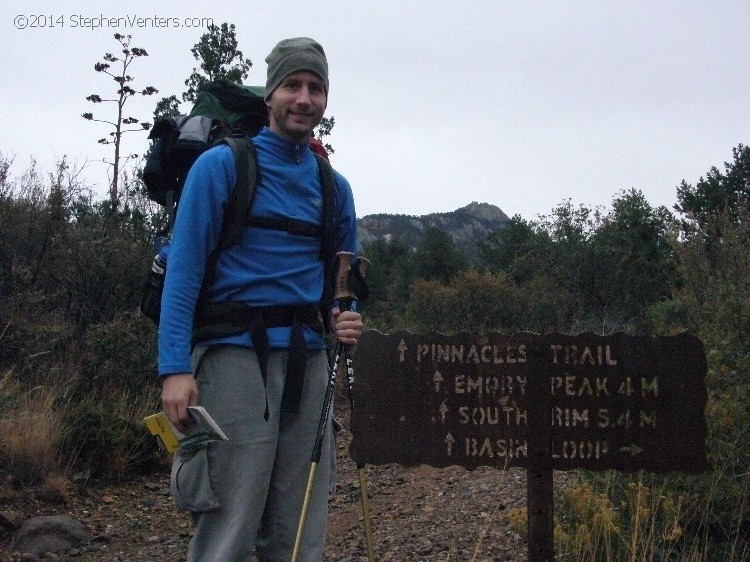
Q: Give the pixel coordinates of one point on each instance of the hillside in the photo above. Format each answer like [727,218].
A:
[467,226]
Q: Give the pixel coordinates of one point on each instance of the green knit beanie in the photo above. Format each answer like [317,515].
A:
[293,55]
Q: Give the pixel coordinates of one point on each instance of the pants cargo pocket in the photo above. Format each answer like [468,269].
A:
[191,482]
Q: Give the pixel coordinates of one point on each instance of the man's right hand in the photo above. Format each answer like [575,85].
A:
[177,393]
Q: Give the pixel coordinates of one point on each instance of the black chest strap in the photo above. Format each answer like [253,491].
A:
[292,226]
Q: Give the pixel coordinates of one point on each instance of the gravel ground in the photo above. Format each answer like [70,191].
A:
[418,514]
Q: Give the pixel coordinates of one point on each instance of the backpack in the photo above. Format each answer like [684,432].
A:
[224,113]
[222,109]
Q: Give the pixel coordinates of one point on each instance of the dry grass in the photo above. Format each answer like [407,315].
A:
[57,489]
[45,438]
[28,431]
[648,523]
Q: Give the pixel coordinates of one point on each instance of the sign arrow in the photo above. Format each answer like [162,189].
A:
[402,348]
[633,449]
[443,411]
[449,440]
[437,379]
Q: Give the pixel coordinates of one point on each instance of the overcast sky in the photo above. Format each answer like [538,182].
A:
[437,103]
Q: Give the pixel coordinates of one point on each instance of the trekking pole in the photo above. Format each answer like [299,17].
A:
[363,265]
[341,293]
[360,468]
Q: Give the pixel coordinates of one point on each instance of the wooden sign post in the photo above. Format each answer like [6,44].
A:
[543,402]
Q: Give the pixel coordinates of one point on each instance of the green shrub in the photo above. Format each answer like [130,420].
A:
[107,438]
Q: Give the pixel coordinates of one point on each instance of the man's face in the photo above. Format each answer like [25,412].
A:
[297,105]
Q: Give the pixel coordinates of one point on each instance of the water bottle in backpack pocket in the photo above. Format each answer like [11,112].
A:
[151,298]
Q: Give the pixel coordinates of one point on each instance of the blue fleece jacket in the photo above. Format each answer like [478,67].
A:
[269,267]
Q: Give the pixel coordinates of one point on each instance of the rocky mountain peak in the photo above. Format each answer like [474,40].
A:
[466,226]
[485,212]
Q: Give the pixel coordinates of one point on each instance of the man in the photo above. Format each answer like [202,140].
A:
[246,494]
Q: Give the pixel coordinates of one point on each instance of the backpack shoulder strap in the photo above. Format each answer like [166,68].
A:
[243,193]
[327,251]
[329,203]
[237,206]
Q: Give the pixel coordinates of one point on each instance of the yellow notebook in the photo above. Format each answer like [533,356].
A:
[159,426]
[202,429]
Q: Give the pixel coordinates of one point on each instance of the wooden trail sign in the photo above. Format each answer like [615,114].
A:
[543,402]
[619,401]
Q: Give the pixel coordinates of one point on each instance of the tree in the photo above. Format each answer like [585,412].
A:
[218,57]
[323,130]
[715,203]
[472,302]
[437,257]
[389,281]
[718,192]
[632,258]
[124,92]
[518,248]
[570,226]
[167,107]
[570,230]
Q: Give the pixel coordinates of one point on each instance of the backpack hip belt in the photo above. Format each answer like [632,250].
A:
[216,320]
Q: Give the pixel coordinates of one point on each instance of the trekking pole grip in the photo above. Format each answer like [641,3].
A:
[350,278]
[342,275]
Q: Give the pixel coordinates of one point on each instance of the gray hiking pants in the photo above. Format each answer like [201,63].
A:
[246,494]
